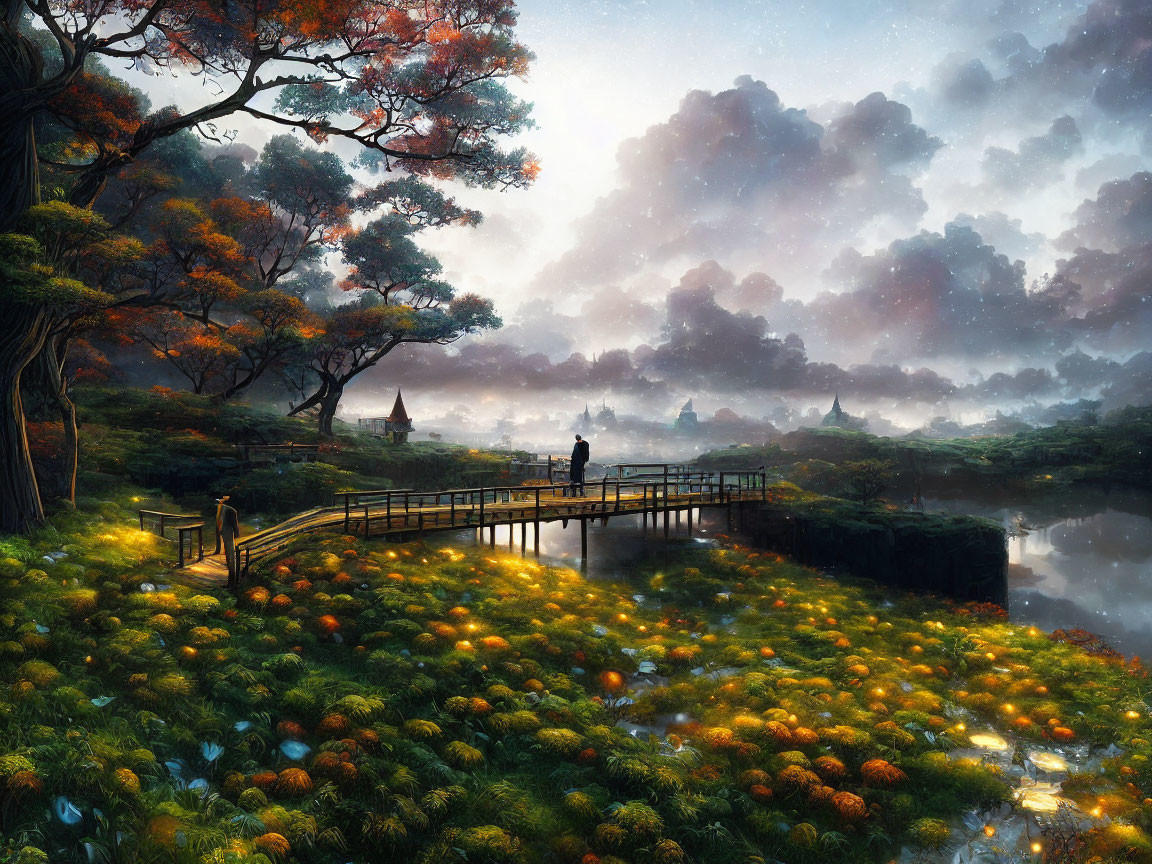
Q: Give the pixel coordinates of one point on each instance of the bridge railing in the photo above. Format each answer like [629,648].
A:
[189,527]
[428,509]
[477,507]
[162,520]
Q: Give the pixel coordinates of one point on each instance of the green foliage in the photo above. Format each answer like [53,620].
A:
[464,700]
[1052,457]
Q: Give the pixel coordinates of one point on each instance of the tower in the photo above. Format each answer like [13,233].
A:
[397,425]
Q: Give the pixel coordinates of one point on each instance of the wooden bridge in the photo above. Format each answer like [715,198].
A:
[650,490]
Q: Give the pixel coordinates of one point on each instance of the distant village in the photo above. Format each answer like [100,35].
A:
[680,436]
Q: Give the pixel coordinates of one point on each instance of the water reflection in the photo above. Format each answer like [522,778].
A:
[616,549]
[1078,561]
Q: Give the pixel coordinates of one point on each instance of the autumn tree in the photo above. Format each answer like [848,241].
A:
[299,206]
[417,84]
[400,299]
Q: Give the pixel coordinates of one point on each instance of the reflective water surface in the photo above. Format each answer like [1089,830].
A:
[1081,560]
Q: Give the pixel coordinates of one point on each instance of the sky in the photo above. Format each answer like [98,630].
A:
[744,202]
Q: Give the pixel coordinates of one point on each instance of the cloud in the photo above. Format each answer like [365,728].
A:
[738,172]
[935,295]
[1119,217]
[963,82]
[1037,161]
[1004,233]
[1104,60]
[877,131]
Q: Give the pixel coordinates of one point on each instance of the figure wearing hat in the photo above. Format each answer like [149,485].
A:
[228,531]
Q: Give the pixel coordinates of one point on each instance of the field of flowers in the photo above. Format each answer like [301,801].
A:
[370,702]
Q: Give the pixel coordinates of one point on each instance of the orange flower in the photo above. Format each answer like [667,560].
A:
[878,772]
[274,845]
[333,726]
[829,767]
[759,792]
[264,780]
[849,807]
[293,781]
[612,681]
[290,729]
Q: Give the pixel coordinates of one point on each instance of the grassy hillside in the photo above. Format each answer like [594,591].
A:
[1115,451]
[378,702]
[184,446]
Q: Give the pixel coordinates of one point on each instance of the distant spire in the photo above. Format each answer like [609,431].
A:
[836,405]
[399,414]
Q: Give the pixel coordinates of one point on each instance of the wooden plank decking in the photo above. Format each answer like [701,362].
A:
[406,513]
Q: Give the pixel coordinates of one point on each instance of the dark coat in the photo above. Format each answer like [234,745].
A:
[580,452]
[229,522]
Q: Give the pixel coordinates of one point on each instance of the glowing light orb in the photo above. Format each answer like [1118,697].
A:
[988,741]
[1048,761]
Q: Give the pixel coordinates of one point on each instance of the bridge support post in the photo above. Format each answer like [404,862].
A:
[536,538]
[689,521]
[523,537]
[492,536]
[583,545]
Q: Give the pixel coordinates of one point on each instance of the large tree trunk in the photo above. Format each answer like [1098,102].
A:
[23,327]
[328,406]
[21,338]
[312,401]
[46,372]
[21,68]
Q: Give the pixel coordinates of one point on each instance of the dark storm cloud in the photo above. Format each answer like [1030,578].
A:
[738,170]
[703,344]
[1029,383]
[1037,162]
[1131,384]
[706,342]
[1114,291]
[1104,59]
[485,367]
[934,295]
[1109,276]
[877,130]
[1119,217]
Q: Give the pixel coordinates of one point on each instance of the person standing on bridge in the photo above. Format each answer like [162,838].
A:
[579,460]
[220,502]
[229,523]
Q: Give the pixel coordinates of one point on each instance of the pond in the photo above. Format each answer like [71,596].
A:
[616,549]
[1078,560]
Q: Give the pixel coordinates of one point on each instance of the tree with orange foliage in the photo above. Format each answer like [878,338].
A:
[300,206]
[416,84]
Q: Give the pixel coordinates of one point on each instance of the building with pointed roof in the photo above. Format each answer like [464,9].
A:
[688,421]
[840,418]
[398,424]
